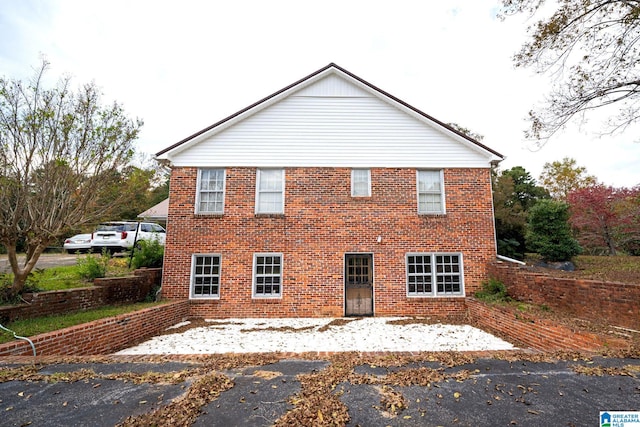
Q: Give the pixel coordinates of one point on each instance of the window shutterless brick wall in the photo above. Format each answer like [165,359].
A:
[320,224]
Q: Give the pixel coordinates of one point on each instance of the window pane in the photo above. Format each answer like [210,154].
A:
[360,182]
[206,276]
[270,202]
[211,193]
[429,192]
[445,274]
[270,194]
[267,275]
[419,275]
[449,276]
[270,180]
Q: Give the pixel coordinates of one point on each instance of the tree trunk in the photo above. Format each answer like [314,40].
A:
[20,273]
[608,239]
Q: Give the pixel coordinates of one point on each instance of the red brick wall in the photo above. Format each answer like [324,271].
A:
[536,333]
[615,303]
[103,336]
[321,223]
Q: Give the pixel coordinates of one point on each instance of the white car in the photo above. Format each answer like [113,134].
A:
[119,236]
[77,243]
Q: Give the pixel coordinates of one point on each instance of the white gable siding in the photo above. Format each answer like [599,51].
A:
[333,85]
[331,123]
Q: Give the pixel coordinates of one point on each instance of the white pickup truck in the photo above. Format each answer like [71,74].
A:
[119,236]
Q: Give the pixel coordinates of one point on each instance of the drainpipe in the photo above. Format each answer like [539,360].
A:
[515,261]
[33,347]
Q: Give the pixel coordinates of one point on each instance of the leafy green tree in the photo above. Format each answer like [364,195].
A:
[591,48]
[136,182]
[59,150]
[525,189]
[548,231]
[559,178]
[146,186]
[160,187]
[514,192]
[510,218]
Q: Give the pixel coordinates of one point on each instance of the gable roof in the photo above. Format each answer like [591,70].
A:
[315,76]
[157,212]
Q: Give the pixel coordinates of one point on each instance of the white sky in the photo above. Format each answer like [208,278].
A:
[181,66]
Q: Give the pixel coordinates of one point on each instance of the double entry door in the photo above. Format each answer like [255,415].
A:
[358,283]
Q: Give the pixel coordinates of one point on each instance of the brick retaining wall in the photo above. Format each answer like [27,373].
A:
[522,329]
[105,291]
[102,336]
[611,302]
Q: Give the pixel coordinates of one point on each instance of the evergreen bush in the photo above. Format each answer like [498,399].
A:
[548,231]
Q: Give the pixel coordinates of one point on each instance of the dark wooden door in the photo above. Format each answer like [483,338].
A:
[358,276]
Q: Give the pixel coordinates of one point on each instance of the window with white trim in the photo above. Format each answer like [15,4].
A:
[360,183]
[430,192]
[267,275]
[205,276]
[210,196]
[434,274]
[270,191]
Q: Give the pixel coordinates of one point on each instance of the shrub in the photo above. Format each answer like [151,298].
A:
[93,267]
[493,290]
[148,253]
[548,232]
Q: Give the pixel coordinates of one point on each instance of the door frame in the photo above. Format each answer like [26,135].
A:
[370,256]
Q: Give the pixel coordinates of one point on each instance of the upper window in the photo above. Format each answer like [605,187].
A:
[270,191]
[205,276]
[360,183]
[434,274]
[267,275]
[210,197]
[430,192]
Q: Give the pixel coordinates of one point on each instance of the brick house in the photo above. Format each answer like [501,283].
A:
[329,197]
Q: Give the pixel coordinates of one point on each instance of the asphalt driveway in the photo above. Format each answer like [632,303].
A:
[484,392]
[45,261]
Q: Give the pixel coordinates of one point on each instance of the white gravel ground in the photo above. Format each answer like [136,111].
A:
[303,335]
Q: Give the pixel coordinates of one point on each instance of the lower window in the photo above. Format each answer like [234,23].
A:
[205,276]
[267,275]
[434,274]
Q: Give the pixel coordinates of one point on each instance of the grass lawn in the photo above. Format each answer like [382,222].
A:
[70,276]
[621,268]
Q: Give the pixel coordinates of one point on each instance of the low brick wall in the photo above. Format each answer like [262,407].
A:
[102,336]
[105,291]
[614,303]
[539,334]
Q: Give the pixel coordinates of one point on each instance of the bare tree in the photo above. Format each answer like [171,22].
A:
[591,47]
[59,150]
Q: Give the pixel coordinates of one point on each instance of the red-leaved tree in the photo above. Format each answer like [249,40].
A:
[606,218]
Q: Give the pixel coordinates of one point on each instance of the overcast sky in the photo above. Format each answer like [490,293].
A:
[181,66]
